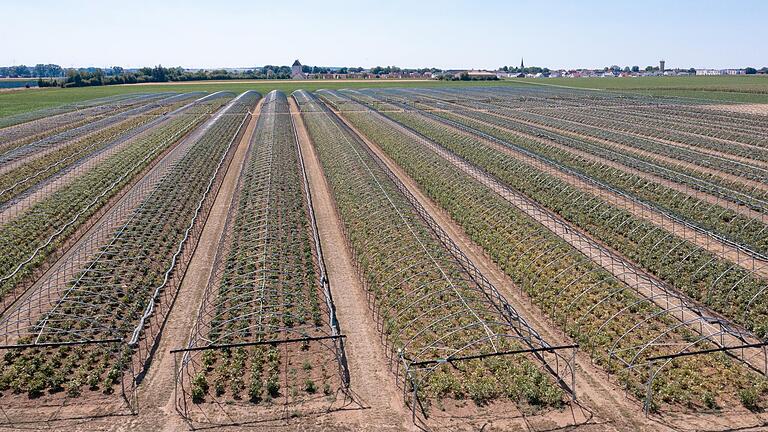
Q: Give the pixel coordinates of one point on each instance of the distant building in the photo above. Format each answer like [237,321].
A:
[478,74]
[707,71]
[720,71]
[661,66]
[296,72]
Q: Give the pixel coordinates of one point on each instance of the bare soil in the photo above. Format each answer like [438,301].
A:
[156,393]
[756,108]
[371,378]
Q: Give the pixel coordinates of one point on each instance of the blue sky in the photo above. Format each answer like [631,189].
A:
[413,33]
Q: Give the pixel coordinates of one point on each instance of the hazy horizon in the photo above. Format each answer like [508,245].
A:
[446,34]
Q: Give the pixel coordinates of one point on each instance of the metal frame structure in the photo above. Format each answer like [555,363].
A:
[66,225]
[31,181]
[670,307]
[448,298]
[673,232]
[688,189]
[99,295]
[687,121]
[58,115]
[114,113]
[261,294]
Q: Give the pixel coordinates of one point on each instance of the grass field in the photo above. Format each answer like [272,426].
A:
[753,89]
[14,102]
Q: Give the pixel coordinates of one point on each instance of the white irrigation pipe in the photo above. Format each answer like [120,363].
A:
[151,304]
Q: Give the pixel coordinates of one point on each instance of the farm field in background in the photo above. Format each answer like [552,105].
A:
[734,89]
[393,255]
[15,102]
[750,89]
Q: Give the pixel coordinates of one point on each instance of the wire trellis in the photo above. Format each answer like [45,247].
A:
[743,291]
[14,124]
[665,305]
[111,295]
[431,302]
[119,112]
[267,326]
[42,227]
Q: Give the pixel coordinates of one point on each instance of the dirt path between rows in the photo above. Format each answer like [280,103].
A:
[371,378]
[611,408]
[156,393]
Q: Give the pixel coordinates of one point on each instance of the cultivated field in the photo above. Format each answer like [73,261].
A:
[740,88]
[509,257]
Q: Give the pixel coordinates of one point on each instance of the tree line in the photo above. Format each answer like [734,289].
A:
[84,77]
[37,71]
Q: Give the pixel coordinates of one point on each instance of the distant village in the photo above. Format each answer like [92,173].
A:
[51,75]
[298,71]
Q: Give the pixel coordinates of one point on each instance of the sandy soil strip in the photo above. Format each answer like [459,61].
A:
[756,108]
[371,379]
[156,410]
